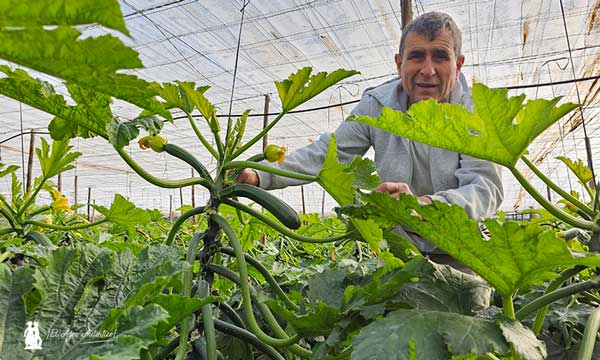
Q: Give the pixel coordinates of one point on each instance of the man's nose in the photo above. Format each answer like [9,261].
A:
[427,68]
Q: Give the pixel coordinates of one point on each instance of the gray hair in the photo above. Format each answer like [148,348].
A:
[430,25]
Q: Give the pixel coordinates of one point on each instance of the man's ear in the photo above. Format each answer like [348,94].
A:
[459,63]
[398,60]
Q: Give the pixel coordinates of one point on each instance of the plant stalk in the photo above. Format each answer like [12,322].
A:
[557,188]
[63,227]
[201,137]
[593,283]
[281,228]
[258,136]
[180,220]
[508,307]
[267,168]
[586,348]
[208,322]
[561,215]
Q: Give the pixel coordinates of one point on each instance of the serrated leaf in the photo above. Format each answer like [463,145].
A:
[336,178]
[121,133]
[58,160]
[179,307]
[8,170]
[583,173]
[13,287]
[365,173]
[442,288]
[301,87]
[319,320]
[90,62]
[62,12]
[434,336]
[500,129]
[516,257]
[124,213]
[328,287]
[527,345]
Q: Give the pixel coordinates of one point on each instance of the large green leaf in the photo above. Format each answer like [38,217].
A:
[90,62]
[515,257]
[336,178]
[124,213]
[58,160]
[62,12]
[80,286]
[301,86]
[13,286]
[583,173]
[433,335]
[318,320]
[442,288]
[500,129]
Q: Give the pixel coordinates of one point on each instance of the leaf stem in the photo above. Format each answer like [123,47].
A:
[180,220]
[40,210]
[31,198]
[245,285]
[202,138]
[248,337]
[281,228]
[258,136]
[208,322]
[169,184]
[593,283]
[5,231]
[8,217]
[555,284]
[557,188]
[586,348]
[508,307]
[267,168]
[64,227]
[561,215]
[267,275]
[186,292]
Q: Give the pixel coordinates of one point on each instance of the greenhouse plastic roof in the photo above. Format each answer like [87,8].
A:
[506,44]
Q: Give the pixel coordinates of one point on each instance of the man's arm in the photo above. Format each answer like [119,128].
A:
[479,192]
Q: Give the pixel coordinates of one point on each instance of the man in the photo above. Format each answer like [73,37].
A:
[429,63]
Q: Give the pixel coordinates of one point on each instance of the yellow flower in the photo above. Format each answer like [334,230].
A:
[275,153]
[156,143]
[60,202]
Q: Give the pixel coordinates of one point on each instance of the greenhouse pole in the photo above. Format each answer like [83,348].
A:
[181,200]
[303,204]
[193,193]
[75,193]
[266,121]
[89,200]
[30,159]
[59,185]
[406,10]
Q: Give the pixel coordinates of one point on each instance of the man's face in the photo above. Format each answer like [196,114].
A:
[428,69]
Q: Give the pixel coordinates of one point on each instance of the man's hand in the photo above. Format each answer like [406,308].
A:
[247,176]
[395,188]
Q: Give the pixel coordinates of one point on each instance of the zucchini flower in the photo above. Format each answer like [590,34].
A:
[275,153]
[156,143]
[59,201]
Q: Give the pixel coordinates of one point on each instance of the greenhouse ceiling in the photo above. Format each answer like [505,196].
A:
[515,44]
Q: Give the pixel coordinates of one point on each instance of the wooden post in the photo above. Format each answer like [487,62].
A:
[93,211]
[266,121]
[193,193]
[170,207]
[59,182]
[75,193]
[181,199]
[30,160]
[323,205]
[88,203]
[406,10]
[303,203]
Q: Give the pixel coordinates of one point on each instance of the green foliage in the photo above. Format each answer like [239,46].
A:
[301,86]
[583,173]
[57,161]
[500,129]
[124,213]
[336,178]
[516,256]
[120,133]
[438,335]
[13,285]
[62,12]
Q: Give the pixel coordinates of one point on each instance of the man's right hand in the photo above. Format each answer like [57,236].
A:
[247,176]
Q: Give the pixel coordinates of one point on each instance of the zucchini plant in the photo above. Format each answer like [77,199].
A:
[157,306]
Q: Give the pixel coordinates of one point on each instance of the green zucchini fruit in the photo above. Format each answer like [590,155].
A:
[40,239]
[282,211]
[184,155]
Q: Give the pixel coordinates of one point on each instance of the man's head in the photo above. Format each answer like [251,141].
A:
[430,57]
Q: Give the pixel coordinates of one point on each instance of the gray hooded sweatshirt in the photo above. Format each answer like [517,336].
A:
[474,184]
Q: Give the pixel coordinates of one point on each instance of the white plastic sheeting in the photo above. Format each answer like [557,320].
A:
[505,43]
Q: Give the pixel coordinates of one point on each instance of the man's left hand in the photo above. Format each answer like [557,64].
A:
[395,188]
